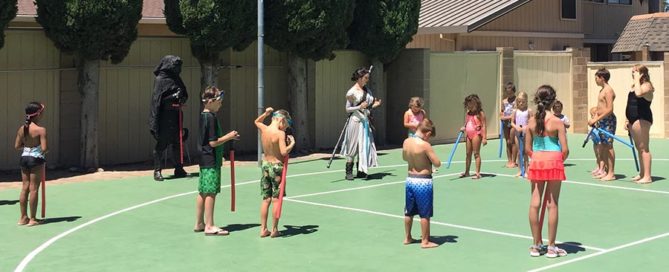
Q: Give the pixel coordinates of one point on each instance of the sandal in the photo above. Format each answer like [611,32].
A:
[217,232]
[537,250]
[554,251]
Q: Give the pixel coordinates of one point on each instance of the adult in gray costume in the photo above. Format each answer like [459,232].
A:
[169,95]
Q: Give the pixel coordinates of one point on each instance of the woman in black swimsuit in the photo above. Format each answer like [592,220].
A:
[640,118]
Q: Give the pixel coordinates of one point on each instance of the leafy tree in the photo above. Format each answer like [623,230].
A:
[92,30]
[381,29]
[306,29]
[8,11]
[212,27]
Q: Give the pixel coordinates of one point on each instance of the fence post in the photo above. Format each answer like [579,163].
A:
[579,75]
[666,94]
[506,75]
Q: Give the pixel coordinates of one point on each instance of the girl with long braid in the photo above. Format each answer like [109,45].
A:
[31,139]
[546,144]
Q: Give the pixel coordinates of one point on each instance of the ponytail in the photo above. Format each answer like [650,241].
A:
[544,98]
[33,109]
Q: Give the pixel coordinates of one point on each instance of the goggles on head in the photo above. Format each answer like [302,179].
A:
[279,115]
[37,113]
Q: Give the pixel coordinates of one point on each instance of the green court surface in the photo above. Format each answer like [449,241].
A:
[330,224]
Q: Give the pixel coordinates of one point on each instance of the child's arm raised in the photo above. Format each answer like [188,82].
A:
[432,156]
[232,135]
[259,121]
[282,144]
[483,128]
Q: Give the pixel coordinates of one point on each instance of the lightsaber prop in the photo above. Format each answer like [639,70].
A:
[282,187]
[543,210]
[636,160]
[339,140]
[614,137]
[181,134]
[501,133]
[521,143]
[43,190]
[232,176]
[587,138]
[455,146]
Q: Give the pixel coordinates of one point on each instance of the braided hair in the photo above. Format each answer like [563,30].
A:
[544,98]
[33,109]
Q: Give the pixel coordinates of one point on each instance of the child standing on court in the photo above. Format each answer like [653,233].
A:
[519,120]
[508,104]
[595,141]
[557,111]
[546,143]
[276,148]
[421,158]
[605,120]
[210,142]
[414,115]
[31,139]
[475,130]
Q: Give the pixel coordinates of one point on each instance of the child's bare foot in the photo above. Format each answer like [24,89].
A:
[264,233]
[476,176]
[517,175]
[608,178]
[635,178]
[33,222]
[464,175]
[199,227]
[275,233]
[510,165]
[594,171]
[643,181]
[409,240]
[23,221]
[600,175]
[428,245]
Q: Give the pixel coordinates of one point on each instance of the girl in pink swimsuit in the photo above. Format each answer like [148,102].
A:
[475,129]
[414,115]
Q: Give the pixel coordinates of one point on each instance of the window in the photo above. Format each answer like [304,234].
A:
[621,2]
[569,9]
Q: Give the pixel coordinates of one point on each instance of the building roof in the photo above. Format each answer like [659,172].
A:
[151,9]
[458,16]
[647,29]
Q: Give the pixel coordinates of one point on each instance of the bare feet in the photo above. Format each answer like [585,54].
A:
[264,233]
[517,175]
[643,181]
[464,175]
[608,178]
[635,178]
[511,165]
[33,222]
[476,176]
[275,233]
[23,221]
[428,245]
[409,241]
[599,175]
[199,227]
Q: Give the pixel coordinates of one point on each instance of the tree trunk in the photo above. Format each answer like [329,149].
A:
[88,82]
[297,83]
[377,85]
[209,71]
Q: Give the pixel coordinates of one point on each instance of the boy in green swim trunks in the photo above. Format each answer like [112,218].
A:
[276,148]
[210,141]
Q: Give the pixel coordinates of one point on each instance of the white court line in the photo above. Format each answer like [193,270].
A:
[46,244]
[433,222]
[22,265]
[365,187]
[596,185]
[602,252]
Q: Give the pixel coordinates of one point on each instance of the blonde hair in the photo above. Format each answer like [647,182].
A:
[522,95]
